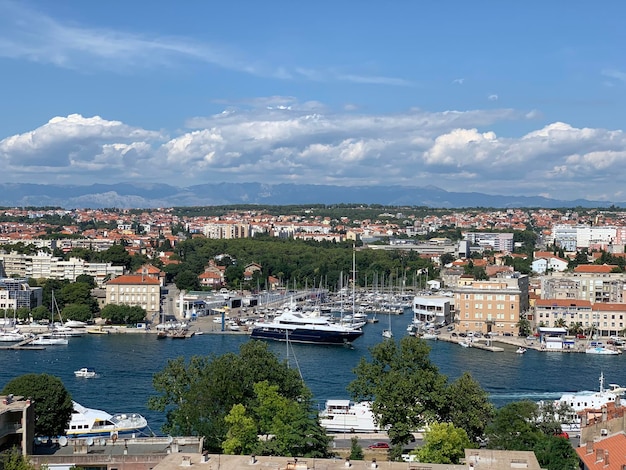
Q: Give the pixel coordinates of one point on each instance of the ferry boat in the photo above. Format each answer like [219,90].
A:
[88,422]
[587,400]
[299,328]
[346,416]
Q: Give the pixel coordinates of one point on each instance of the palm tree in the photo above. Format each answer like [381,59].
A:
[575,328]
[560,323]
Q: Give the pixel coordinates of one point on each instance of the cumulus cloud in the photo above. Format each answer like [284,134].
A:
[308,143]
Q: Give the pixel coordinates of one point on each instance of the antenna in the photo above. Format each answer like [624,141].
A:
[62,441]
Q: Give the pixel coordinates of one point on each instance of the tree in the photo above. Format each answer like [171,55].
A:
[123,314]
[406,389]
[117,255]
[51,401]
[514,428]
[556,453]
[78,293]
[78,312]
[294,431]
[14,460]
[40,313]
[468,405]
[22,313]
[86,279]
[444,443]
[187,280]
[523,327]
[446,258]
[197,395]
[356,451]
[241,437]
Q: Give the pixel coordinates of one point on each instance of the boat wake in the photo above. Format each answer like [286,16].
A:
[519,396]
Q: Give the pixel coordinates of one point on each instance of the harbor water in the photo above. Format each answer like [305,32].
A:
[125,364]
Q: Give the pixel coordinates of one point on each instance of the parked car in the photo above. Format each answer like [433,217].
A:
[450,328]
[379,445]
[581,336]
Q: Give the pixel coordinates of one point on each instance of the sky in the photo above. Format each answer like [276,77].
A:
[512,98]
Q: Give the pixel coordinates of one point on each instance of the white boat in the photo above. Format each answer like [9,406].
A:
[49,340]
[587,400]
[75,324]
[387,334]
[520,350]
[88,422]
[346,416]
[85,372]
[602,350]
[11,336]
[465,344]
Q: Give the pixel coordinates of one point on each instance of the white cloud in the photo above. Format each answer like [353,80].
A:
[309,144]
[493,97]
[458,81]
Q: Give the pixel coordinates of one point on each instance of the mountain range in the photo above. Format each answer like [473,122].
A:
[137,195]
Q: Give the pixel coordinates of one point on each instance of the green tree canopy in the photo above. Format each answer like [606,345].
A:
[405,387]
[79,312]
[197,395]
[123,314]
[78,293]
[51,401]
[444,443]
[40,313]
[468,406]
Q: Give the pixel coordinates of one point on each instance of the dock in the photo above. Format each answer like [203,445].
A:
[23,345]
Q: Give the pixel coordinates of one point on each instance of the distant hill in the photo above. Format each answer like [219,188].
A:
[135,195]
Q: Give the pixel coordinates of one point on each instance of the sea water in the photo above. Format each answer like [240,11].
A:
[125,364]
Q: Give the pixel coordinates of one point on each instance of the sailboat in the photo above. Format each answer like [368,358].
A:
[387,333]
[59,329]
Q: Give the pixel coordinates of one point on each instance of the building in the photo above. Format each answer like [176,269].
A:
[135,289]
[17,423]
[45,266]
[594,283]
[492,306]
[494,241]
[433,309]
[604,319]
[17,293]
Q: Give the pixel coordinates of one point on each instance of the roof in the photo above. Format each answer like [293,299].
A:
[134,279]
[607,454]
[595,268]
[562,303]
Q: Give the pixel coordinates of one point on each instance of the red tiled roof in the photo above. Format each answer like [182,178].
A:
[134,279]
[594,268]
[607,454]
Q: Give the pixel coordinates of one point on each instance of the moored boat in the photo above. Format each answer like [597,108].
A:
[88,422]
[521,350]
[48,339]
[298,328]
[346,416]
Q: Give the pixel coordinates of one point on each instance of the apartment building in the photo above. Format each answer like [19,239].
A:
[16,293]
[492,306]
[17,424]
[226,230]
[605,319]
[44,266]
[496,241]
[594,283]
[135,289]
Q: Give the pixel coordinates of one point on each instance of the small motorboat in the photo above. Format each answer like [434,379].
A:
[85,372]
[521,350]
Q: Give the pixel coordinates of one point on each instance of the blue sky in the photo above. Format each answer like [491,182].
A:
[497,97]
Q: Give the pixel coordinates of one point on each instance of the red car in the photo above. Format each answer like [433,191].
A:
[581,336]
[379,445]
